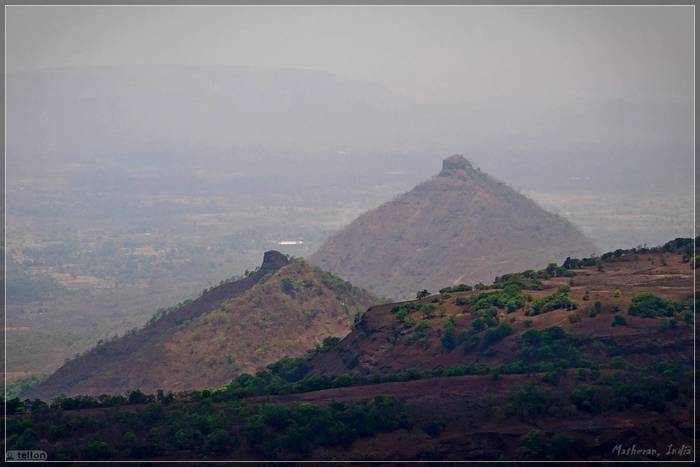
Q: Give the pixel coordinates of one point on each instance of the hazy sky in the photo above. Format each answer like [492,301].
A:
[430,53]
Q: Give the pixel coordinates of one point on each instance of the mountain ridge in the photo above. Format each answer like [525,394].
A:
[228,329]
[589,292]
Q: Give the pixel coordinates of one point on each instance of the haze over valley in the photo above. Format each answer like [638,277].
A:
[136,210]
[371,155]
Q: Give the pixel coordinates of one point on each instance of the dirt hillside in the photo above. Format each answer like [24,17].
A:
[460,226]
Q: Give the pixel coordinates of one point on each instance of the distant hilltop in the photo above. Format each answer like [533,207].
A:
[460,226]
[453,164]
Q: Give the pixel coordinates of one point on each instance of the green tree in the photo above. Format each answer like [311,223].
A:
[649,305]
[98,450]
[422,294]
[619,320]
[532,443]
[449,340]
[219,442]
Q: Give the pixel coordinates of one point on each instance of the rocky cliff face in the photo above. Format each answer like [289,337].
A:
[273,260]
[460,226]
[454,164]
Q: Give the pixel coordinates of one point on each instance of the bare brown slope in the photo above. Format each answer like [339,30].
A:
[459,226]
[282,309]
[382,344]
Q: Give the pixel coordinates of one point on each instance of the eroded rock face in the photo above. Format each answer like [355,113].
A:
[454,164]
[274,260]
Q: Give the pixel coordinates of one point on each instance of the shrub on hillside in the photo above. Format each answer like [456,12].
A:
[449,339]
[533,443]
[402,312]
[421,331]
[97,450]
[494,335]
[619,320]
[575,263]
[337,284]
[549,348]
[530,402]
[421,294]
[525,280]
[289,284]
[648,305]
[559,299]
[486,304]
[456,288]
[327,344]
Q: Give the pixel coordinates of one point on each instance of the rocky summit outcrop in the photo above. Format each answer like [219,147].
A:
[461,226]
[284,308]
[454,164]
[273,260]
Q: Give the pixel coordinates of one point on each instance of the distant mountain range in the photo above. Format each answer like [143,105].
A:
[461,226]
[152,115]
[129,111]
[283,308]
